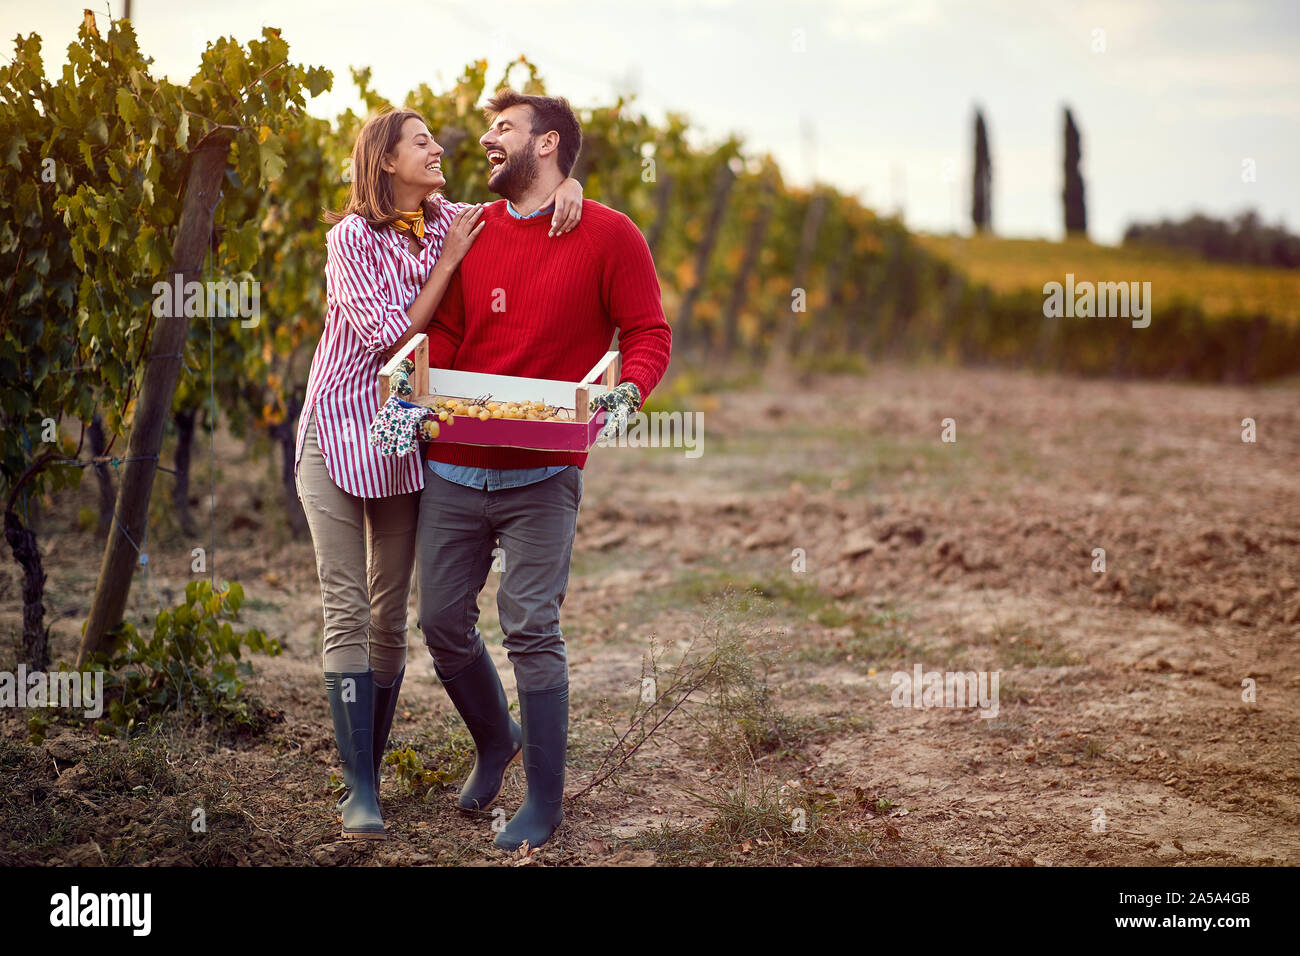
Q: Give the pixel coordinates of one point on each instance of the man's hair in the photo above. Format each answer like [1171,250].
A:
[549,113]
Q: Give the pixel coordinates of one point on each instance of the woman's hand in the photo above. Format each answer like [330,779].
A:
[568,207]
[462,232]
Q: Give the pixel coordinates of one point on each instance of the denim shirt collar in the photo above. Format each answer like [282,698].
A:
[513,212]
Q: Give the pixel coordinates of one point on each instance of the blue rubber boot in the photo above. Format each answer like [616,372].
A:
[352,702]
[481,702]
[385,707]
[545,716]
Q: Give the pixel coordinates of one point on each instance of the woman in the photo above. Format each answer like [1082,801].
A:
[386,271]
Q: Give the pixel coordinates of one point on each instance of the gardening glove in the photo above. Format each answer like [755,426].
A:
[400,426]
[619,402]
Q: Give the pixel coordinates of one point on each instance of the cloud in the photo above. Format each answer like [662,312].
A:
[879,21]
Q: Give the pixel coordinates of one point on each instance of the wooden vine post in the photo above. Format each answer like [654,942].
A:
[740,287]
[685,331]
[153,408]
[787,340]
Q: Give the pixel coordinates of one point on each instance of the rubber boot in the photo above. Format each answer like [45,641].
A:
[354,730]
[481,702]
[546,735]
[385,707]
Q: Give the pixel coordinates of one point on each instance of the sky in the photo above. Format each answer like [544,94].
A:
[1184,107]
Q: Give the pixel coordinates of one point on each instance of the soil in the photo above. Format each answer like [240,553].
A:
[1146,712]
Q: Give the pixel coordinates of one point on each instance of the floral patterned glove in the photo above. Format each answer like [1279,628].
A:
[400,426]
[619,402]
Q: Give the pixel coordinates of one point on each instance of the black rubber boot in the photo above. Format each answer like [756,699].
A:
[354,730]
[385,707]
[546,736]
[481,701]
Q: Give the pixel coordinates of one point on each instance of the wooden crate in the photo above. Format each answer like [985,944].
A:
[575,435]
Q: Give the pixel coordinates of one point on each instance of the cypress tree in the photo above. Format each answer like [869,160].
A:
[1076,219]
[982,191]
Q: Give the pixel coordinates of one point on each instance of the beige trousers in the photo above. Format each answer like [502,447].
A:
[365,550]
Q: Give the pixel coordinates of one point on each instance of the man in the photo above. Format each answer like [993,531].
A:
[525,304]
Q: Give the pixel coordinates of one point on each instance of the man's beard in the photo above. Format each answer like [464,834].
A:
[516,175]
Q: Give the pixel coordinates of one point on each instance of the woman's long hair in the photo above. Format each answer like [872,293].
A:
[370,194]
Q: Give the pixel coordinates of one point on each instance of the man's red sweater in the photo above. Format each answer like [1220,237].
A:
[558,301]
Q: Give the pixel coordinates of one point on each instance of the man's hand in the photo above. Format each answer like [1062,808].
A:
[619,402]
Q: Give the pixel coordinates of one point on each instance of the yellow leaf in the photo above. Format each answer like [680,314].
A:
[686,275]
[263,133]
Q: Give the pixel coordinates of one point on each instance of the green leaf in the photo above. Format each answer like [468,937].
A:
[319,80]
[17,144]
[271,158]
[98,128]
[127,105]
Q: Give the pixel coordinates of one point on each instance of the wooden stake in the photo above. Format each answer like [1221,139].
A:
[153,407]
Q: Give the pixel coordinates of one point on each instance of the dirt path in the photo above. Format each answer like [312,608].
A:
[1121,735]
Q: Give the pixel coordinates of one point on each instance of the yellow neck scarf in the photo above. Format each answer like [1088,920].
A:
[412,222]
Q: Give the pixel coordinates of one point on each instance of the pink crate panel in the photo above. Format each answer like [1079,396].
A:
[521,433]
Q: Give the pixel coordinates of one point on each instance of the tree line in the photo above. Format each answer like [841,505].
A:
[1244,239]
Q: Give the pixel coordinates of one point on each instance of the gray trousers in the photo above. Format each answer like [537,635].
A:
[459,528]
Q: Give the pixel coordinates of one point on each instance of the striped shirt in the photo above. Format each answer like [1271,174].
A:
[371,279]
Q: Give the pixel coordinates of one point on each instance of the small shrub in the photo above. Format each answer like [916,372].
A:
[193,661]
[413,778]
